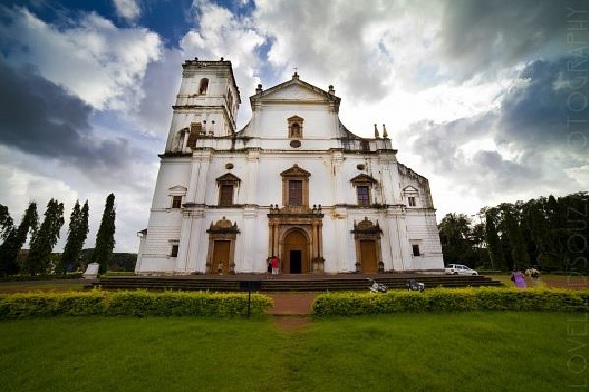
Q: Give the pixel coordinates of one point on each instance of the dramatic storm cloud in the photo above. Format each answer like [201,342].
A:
[487,99]
[485,36]
[41,118]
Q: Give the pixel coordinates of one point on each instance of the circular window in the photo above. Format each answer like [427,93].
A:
[361,167]
[229,166]
[295,143]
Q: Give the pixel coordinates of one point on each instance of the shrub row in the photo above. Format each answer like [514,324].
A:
[130,303]
[451,300]
[36,278]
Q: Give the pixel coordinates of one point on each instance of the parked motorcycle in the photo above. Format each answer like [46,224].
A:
[413,285]
[376,287]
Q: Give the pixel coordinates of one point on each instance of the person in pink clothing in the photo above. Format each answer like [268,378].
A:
[518,278]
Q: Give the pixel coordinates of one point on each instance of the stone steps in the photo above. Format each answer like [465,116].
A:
[287,283]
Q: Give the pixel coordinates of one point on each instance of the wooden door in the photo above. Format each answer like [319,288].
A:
[221,256]
[368,261]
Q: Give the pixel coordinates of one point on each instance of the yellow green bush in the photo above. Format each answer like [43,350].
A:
[451,300]
[130,303]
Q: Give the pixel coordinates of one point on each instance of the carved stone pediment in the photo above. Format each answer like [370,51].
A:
[367,228]
[295,171]
[223,226]
[228,179]
[177,190]
[295,91]
[295,119]
[363,179]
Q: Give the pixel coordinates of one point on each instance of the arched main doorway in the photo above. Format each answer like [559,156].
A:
[295,253]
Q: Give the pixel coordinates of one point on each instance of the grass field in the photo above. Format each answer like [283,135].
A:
[572,282]
[406,352]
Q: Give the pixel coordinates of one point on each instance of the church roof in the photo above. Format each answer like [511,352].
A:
[295,89]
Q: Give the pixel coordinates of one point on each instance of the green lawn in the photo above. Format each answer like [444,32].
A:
[407,352]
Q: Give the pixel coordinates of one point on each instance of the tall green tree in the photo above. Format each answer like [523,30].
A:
[549,232]
[577,233]
[105,238]
[539,227]
[77,234]
[45,239]
[519,251]
[5,222]
[458,240]
[493,241]
[14,239]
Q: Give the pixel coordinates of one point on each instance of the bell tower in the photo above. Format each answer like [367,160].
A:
[206,105]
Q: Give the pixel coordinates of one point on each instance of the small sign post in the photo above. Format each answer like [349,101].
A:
[249,286]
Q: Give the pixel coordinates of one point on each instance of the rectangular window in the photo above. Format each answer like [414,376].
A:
[363,193]
[415,250]
[411,200]
[295,192]
[176,201]
[174,251]
[226,195]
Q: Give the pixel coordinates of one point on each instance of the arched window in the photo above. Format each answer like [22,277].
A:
[204,86]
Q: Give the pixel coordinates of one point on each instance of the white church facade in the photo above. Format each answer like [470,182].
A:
[294,182]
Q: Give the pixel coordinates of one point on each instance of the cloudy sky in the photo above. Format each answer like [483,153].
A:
[487,99]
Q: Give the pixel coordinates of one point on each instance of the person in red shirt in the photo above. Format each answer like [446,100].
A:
[275,265]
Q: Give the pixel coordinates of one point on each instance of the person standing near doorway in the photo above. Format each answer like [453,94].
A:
[275,264]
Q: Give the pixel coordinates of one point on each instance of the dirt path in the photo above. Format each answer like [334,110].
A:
[292,304]
[292,311]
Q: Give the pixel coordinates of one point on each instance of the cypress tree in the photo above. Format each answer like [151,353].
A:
[83,230]
[5,222]
[6,231]
[45,239]
[78,231]
[105,238]
[14,239]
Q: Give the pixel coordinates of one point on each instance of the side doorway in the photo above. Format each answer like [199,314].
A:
[368,260]
[221,257]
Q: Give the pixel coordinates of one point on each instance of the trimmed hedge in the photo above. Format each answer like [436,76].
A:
[451,300]
[37,278]
[130,303]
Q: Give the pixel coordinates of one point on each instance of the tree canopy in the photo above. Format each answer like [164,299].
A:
[551,233]
[44,240]
[77,234]
[15,237]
